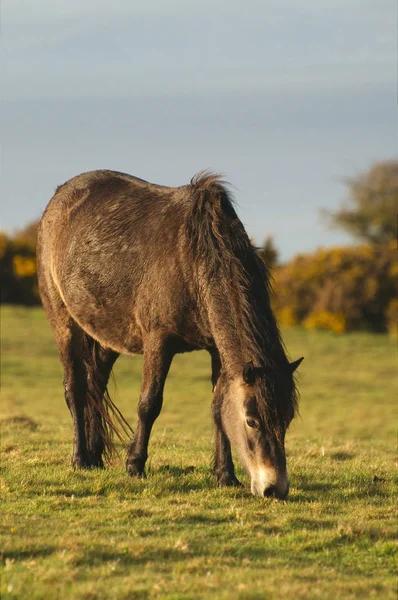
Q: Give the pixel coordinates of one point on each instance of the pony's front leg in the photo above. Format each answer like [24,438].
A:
[223,463]
[157,361]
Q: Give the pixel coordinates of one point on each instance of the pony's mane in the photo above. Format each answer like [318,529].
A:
[219,240]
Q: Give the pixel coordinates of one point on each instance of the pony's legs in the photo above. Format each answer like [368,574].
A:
[99,363]
[70,346]
[86,374]
[87,366]
[157,361]
[223,464]
[69,338]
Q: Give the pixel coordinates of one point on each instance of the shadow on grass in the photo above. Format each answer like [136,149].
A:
[165,485]
[343,491]
[174,471]
[98,556]
[346,538]
[27,553]
[305,490]
[140,513]
[260,552]
[178,485]
[19,422]
[342,456]
[311,524]
[199,519]
[368,491]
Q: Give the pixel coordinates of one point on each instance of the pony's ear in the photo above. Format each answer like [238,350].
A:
[249,373]
[293,366]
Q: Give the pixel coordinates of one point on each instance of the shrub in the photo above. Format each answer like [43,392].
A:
[18,276]
[340,289]
[326,320]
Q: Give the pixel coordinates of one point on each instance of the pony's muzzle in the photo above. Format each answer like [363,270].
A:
[274,491]
[270,484]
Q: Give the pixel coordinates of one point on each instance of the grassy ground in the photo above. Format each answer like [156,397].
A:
[175,535]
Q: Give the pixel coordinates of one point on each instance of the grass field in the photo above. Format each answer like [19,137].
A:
[174,535]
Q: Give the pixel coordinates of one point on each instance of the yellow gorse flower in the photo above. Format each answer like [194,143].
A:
[326,320]
[24,266]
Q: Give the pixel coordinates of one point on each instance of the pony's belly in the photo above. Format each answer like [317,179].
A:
[127,344]
[112,326]
[127,340]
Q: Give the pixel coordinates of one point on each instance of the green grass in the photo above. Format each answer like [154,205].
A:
[174,535]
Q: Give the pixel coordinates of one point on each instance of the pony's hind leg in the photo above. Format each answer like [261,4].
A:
[98,364]
[157,361]
[69,338]
[87,367]
[70,346]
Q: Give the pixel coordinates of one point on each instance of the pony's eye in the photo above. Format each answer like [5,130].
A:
[251,423]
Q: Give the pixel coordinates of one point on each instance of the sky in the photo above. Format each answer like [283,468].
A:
[285,98]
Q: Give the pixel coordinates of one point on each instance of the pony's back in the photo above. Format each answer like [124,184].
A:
[112,248]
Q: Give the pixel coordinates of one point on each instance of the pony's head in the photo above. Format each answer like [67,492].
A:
[257,408]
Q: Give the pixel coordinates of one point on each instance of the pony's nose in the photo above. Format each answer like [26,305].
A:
[272,491]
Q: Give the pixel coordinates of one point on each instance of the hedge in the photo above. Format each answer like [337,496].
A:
[341,289]
[18,276]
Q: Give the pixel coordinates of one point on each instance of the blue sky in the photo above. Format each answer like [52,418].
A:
[286,98]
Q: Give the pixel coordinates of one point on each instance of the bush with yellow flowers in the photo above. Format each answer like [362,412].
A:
[326,320]
[340,289]
[18,275]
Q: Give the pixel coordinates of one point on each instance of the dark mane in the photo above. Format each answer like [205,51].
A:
[219,241]
[217,236]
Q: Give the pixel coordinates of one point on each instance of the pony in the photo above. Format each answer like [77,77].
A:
[130,267]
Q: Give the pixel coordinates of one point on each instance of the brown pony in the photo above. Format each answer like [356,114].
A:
[126,266]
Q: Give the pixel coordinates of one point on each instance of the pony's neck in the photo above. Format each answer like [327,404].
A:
[234,333]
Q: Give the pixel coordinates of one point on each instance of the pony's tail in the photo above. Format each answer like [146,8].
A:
[103,420]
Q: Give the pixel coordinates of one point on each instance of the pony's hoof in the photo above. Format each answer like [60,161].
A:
[97,463]
[80,462]
[135,470]
[228,481]
[87,462]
